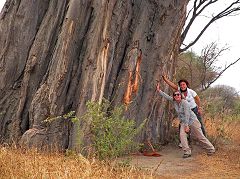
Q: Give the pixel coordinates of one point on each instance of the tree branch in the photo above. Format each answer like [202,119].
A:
[197,9]
[219,74]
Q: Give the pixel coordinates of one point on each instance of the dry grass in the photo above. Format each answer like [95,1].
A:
[16,163]
[226,162]
[220,130]
[218,166]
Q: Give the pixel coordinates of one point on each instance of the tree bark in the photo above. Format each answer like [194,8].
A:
[57,55]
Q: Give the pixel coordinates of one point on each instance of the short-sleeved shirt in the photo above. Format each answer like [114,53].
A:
[191,94]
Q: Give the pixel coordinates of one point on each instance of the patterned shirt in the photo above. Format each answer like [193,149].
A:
[185,114]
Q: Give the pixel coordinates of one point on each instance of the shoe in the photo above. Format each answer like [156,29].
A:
[210,153]
[186,155]
[180,145]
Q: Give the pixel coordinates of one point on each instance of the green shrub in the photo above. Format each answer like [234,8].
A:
[112,134]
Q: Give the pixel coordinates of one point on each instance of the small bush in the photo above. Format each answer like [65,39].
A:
[112,134]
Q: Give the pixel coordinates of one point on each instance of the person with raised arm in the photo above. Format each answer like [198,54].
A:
[188,121]
[190,95]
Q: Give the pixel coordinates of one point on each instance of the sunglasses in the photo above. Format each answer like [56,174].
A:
[176,94]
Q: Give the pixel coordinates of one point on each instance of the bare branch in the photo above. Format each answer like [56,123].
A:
[198,8]
[202,70]
[209,58]
[195,14]
[220,74]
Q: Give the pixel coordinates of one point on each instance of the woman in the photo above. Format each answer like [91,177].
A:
[190,95]
[188,121]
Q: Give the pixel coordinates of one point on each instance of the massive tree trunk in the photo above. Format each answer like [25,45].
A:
[56,55]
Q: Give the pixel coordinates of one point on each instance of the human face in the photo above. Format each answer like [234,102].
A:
[177,96]
[183,86]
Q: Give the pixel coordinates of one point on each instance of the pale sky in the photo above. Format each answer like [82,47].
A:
[225,32]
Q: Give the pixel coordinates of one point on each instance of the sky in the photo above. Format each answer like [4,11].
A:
[225,32]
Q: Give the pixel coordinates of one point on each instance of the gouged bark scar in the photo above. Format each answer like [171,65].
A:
[104,68]
[134,60]
[101,79]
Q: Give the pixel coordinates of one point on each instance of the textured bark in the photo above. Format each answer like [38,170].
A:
[57,55]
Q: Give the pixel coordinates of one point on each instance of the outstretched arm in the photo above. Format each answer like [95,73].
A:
[163,94]
[170,83]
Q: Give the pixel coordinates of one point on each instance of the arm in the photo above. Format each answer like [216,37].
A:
[195,96]
[197,100]
[170,83]
[166,96]
[163,94]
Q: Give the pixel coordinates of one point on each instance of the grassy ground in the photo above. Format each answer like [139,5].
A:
[18,163]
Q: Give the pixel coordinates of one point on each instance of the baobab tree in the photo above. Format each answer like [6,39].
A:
[57,55]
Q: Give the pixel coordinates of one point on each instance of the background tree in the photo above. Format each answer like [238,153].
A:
[197,9]
[201,71]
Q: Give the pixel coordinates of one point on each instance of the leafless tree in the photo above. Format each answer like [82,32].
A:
[210,54]
[198,8]
[202,71]
[209,58]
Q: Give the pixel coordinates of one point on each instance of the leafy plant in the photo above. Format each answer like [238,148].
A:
[112,134]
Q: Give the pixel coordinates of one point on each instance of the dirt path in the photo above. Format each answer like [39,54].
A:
[224,164]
